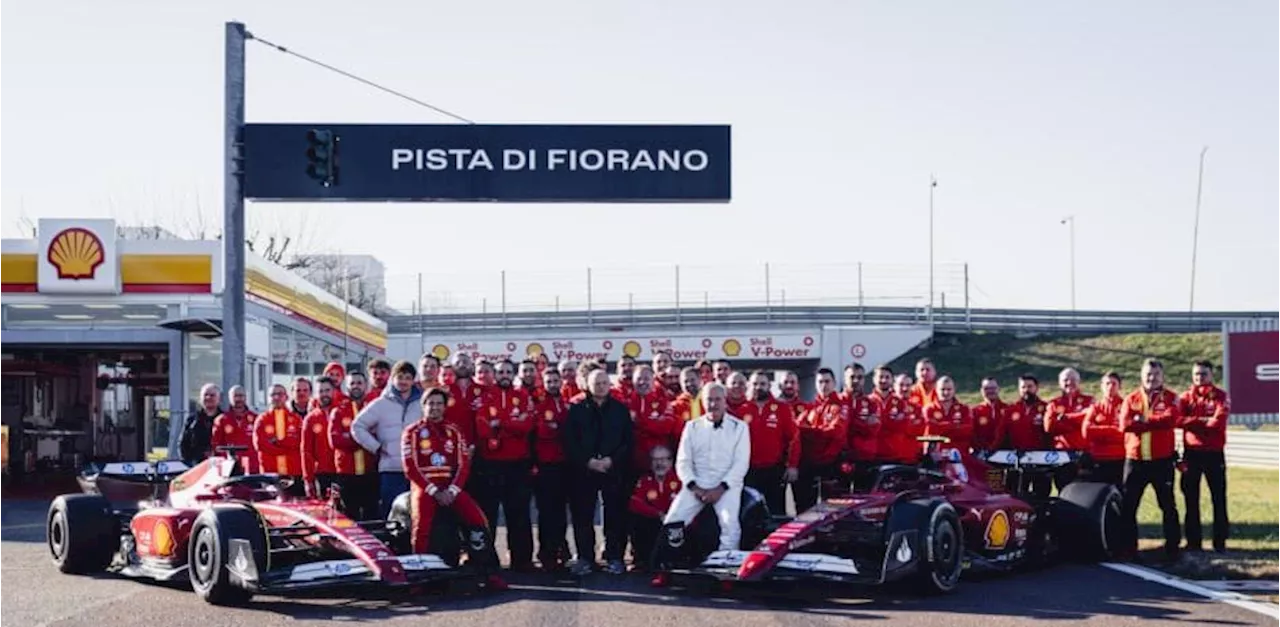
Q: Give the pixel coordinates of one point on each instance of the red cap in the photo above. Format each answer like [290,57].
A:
[333,365]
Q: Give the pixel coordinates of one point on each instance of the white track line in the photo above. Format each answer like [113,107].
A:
[23,526]
[1230,598]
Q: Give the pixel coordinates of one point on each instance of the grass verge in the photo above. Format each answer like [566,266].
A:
[1253,505]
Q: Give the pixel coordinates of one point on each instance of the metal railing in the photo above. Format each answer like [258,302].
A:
[1253,449]
[946,320]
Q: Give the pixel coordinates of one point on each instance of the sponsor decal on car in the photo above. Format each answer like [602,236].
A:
[998,532]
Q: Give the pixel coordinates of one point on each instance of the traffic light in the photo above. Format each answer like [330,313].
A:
[322,156]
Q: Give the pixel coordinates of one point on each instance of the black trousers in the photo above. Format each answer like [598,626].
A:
[768,481]
[507,485]
[1159,475]
[551,491]
[1110,471]
[612,489]
[360,495]
[644,536]
[1212,465]
[805,488]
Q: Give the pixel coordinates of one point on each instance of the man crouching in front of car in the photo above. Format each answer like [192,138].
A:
[711,462]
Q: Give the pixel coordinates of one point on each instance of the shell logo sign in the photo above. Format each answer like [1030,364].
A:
[631,349]
[534,350]
[440,351]
[76,254]
[732,347]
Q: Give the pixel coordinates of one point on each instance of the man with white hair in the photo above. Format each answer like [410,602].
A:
[1063,422]
[197,432]
[712,463]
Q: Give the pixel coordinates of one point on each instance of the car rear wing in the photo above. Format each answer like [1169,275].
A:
[160,471]
[1033,459]
[130,482]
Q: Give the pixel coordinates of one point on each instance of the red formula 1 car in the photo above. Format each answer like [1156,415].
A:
[233,534]
[924,525]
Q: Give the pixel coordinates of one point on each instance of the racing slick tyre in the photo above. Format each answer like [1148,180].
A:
[943,541]
[210,559]
[1087,519]
[83,533]
[445,541]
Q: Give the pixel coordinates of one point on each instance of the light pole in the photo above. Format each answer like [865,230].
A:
[1195,237]
[933,183]
[1070,221]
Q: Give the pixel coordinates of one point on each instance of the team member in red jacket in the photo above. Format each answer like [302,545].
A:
[465,397]
[688,404]
[234,427]
[789,393]
[428,371]
[277,437]
[824,439]
[887,410]
[336,373]
[624,383]
[504,460]
[1204,434]
[989,417]
[1062,422]
[736,398]
[436,464]
[357,468]
[651,416]
[925,390]
[379,375]
[864,421]
[1148,419]
[949,417]
[528,378]
[650,502]
[775,443]
[318,470]
[551,475]
[661,363]
[1024,431]
[568,379]
[908,449]
[720,371]
[1101,435]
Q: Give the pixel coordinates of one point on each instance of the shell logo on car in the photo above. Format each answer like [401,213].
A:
[440,351]
[732,347]
[76,253]
[162,539]
[997,535]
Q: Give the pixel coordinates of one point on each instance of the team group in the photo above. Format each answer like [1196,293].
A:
[476,437]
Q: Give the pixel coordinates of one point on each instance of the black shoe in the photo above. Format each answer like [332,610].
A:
[1194,548]
[1219,548]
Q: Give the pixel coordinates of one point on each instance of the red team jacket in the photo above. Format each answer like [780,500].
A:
[954,422]
[1021,428]
[508,441]
[317,453]
[435,456]
[1206,409]
[653,425]
[686,407]
[775,439]
[988,424]
[277,436]
[900,425]
[652,496]
[824,431]
[863,432]
[349,458]
[1063,418]
[230,429]
[1152,437]
[550,414]
[1100,429]
[460,411]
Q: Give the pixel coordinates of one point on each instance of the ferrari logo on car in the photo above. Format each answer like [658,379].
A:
[997,534]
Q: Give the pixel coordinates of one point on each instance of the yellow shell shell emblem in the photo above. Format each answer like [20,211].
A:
[76,254]
[732,347]
[162,539]
[440,351]
[997,535]
[631,348]
[534,349]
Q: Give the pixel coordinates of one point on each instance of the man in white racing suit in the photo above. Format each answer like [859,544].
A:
[711,462]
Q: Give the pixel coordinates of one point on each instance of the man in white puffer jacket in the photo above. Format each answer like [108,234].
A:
[380,425]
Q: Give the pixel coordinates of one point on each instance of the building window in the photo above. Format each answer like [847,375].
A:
[204,365]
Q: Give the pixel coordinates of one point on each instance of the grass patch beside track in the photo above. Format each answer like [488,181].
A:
[1253,504]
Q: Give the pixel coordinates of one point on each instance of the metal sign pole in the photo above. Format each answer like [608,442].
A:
[233,286]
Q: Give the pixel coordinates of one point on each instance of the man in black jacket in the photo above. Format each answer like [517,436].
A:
[197,432]
[598,443]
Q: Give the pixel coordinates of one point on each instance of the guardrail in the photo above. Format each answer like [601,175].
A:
[1253,449]
[952,320]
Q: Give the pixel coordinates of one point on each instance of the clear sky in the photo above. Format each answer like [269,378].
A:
[1025,112]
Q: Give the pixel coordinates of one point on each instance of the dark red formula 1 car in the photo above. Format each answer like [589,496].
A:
[233,534]
[924,525]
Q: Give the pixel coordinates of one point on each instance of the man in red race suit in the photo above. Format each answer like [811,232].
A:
[989,417]
[551,475]
[824,438]
[650,501]
[277,437]
[318,470]
[1102,437]
[504,461]
[775,443]
[654,425]
[1148,419]
[436,465]
[234,427]
[948,417]
[1062,422]
[1204,436]
[357,468]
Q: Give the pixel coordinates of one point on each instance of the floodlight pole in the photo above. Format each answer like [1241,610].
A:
[233,238]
